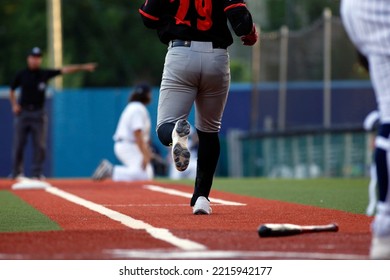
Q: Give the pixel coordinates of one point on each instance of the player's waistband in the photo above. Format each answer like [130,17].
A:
[184,43]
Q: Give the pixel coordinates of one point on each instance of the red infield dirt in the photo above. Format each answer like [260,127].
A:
[153,220]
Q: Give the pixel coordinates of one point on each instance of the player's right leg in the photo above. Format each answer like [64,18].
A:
[179,87]
[380,248]
[208,155]
[210,104]
[379,72]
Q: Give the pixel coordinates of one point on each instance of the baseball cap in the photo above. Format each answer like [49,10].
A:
[141,89]
[35,52]
[141,93]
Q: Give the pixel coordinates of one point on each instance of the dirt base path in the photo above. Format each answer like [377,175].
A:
[151,220]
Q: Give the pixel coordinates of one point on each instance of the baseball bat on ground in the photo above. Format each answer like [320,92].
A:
[276,230]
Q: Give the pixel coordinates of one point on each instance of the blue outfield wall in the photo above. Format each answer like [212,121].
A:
[83,121]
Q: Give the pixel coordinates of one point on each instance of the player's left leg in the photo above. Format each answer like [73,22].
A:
[176,135]
[178,90]
[38,133]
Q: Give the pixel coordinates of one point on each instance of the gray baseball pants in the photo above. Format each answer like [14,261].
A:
[197,74]
[34,123]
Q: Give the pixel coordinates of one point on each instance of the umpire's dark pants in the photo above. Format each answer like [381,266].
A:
[34,123]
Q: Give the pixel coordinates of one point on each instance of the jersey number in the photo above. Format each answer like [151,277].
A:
[203,8]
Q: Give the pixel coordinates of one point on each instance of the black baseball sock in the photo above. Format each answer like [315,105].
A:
[382,163]
[208,155]
[164,133]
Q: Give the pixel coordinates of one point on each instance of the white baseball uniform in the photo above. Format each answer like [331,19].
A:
[134,117]
[367,23]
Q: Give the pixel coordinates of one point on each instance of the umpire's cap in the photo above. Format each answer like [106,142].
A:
[141,92]
[35,52]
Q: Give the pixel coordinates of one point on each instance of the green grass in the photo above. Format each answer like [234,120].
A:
[349,195]
[17,215]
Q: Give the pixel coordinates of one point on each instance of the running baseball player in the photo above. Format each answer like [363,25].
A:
[196,71]
[368,24]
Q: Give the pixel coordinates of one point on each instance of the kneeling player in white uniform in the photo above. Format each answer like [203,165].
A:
[132,138]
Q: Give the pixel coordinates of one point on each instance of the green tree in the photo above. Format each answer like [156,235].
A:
[22,26]
[110,33]
[297,14]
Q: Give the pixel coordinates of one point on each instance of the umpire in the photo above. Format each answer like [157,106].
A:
[29,109]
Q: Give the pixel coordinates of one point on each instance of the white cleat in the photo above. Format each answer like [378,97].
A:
[202,206]
[180,153]
[103,171]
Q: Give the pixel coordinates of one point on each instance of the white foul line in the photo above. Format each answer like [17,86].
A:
[188,195]
[158,233]
[220,254]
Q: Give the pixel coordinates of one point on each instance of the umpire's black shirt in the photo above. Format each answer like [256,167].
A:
[33,85]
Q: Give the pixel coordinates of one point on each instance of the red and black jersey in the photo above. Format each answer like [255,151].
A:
[197,20]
